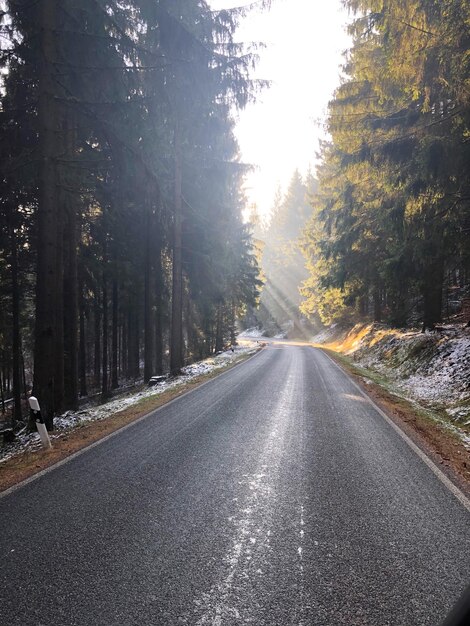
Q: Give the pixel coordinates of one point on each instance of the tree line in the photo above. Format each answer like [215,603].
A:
[122,247]
[390,233]
[280,258]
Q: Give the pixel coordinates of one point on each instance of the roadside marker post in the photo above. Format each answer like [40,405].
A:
[42,430]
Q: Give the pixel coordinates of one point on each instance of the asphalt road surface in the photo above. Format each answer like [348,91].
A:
[273,495]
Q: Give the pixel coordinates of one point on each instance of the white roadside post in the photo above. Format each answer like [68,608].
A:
[42,430]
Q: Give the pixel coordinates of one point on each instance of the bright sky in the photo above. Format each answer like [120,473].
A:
[305,40]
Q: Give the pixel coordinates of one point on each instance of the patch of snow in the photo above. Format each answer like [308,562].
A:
[325,335]
[71,419]
[252,333]
[431,368]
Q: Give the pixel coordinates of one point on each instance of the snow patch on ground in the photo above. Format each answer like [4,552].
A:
[252,333]
[432,369]
[72,419]
[326,335]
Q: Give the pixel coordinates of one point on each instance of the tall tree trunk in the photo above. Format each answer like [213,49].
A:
[364,304]
[432,285]
[125,349]
[114,346]
[188,325]
[148,318]
[130,341]
[59,378]
[133,347]
[23,371]
[70,277]
[48,270]
[432,280]
[219,340]
[158,313]
[397,299]
[119,347]
[105,385]
[176,336]
[133,342]
[377,305]
[136,346]
[97,339]
[233,329]
[2,395]
[82,342]
[70,309]
[16,340]
[4,376]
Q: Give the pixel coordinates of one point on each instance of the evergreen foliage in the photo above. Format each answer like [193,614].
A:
[120,197]
[282,261]
[390,230]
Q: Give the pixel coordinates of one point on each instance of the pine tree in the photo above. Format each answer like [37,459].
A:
[94,94]
[392,204]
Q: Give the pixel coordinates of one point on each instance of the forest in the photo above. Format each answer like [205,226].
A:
[278,246]
[389,238]
[123,253]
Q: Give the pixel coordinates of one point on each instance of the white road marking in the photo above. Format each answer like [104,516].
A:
[217,602]
[461,497]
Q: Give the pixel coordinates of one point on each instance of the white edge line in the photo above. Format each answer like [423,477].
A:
[55,466]
[461,497]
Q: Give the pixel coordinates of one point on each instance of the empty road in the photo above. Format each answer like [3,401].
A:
[274,495]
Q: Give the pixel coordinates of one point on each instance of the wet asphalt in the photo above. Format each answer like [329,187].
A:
[273,495]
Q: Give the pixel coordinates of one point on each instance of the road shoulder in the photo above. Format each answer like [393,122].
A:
[26,465]
[441,445]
